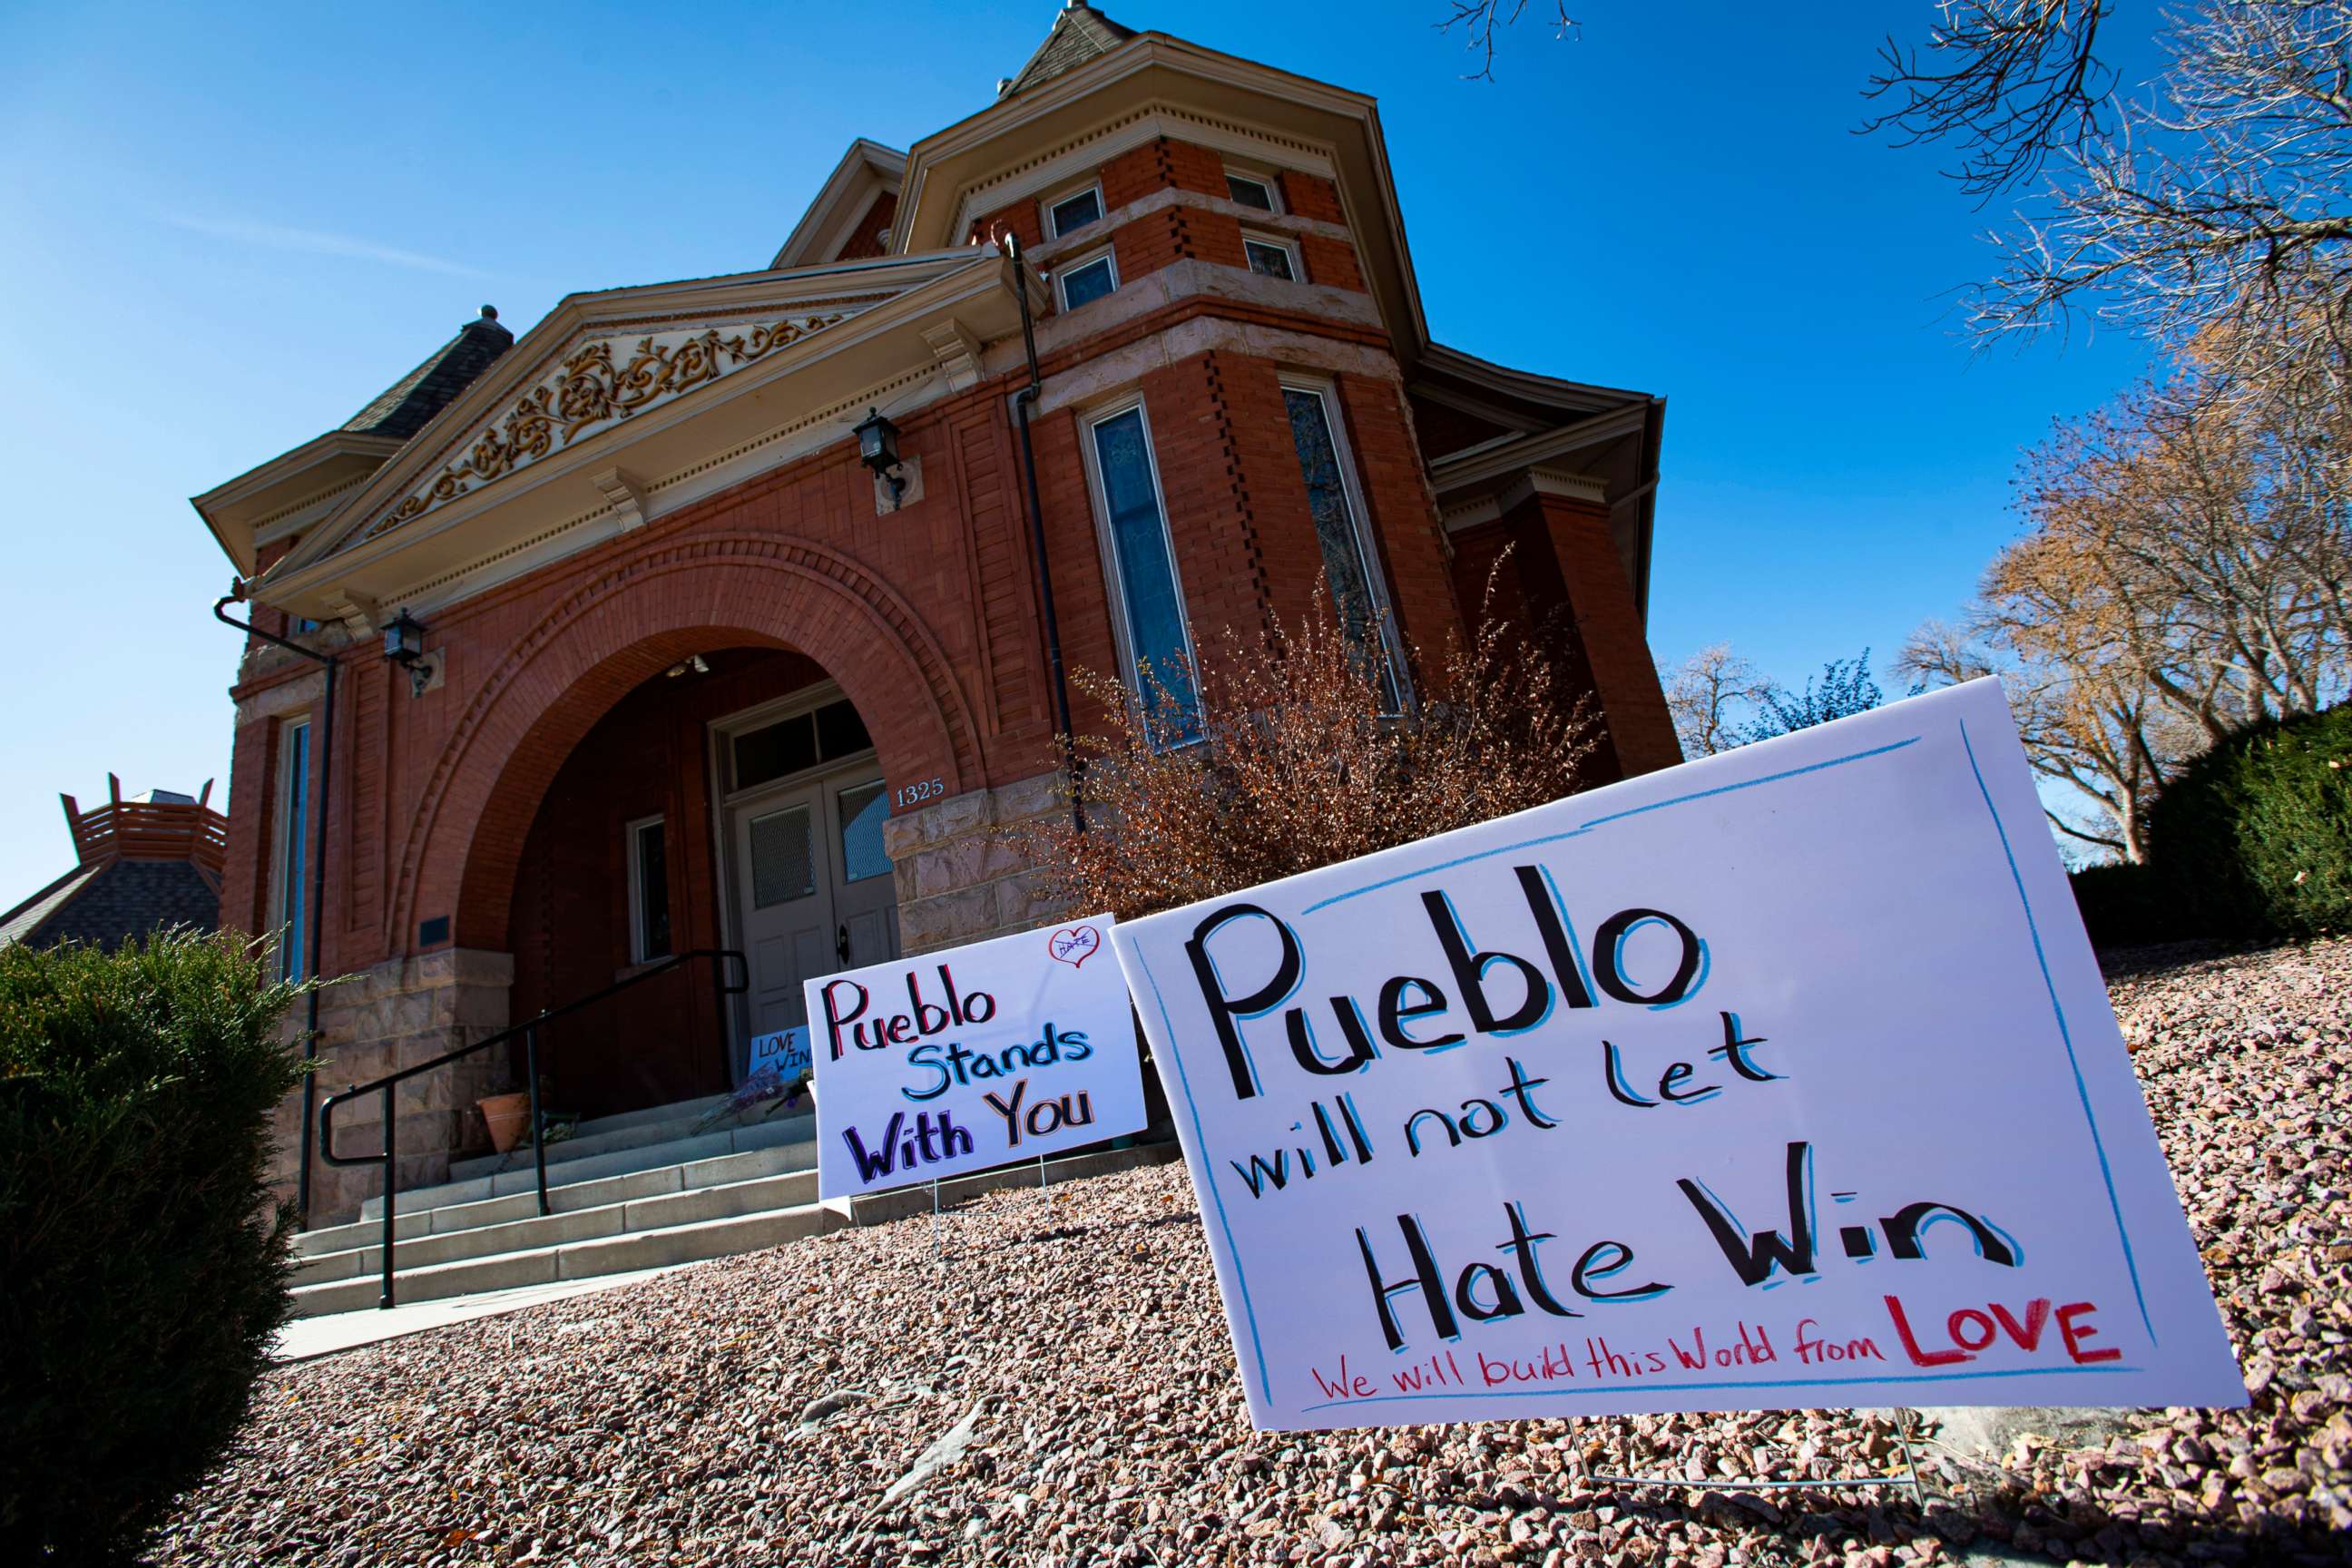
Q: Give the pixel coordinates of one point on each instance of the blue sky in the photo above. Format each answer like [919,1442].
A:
[225,232]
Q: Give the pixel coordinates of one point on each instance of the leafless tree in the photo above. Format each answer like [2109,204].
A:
[1479,20]
[1711,695]
[2183,570]
[2216,208]
[2008,82]
[2205,536]
[2086,722]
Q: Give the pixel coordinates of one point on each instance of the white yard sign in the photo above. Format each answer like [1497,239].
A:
[1782,1078]
[971,1058]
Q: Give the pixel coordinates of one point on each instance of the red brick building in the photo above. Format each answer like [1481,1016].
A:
[694,676]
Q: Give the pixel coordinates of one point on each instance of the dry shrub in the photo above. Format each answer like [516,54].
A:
[1296,766]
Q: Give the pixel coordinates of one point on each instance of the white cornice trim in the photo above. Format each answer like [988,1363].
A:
[288,464]
[1486,467]
[624,492]
[819,234]
[722,471]
[1501,380]
[870,285]
[1549,482]
[522,522]
[1108,140]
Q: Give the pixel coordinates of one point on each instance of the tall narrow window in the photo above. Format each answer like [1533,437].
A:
[1158,648]
[294,849]
[648,891]
[1347,564]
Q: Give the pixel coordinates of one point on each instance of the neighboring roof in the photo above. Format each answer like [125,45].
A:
[145,862]
[110,904]
[1078,35]
[19,924]
[406,407]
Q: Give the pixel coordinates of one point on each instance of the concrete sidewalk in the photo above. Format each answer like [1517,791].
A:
[307,1339]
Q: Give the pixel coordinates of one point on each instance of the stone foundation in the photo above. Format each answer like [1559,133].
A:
[379,1021]
[961,875]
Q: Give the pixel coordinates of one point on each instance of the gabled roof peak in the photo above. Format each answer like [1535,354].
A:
[1079,32]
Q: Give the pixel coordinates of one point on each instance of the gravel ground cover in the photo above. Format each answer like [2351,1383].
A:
[1062,1392]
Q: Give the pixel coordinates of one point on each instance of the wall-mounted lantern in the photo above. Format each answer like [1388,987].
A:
[404,645]
[877,449]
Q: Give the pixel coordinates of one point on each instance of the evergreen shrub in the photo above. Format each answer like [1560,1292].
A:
[143,1264]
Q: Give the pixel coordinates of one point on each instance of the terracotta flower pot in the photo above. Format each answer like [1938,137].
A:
[508,1116]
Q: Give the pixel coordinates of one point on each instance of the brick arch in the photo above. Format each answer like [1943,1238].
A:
[465,841]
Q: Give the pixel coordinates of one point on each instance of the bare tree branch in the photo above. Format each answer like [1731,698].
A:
[1479,20]
[2216,213]
[2009,81]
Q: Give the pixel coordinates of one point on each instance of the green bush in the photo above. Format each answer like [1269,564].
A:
[2254,837]
[142,1263]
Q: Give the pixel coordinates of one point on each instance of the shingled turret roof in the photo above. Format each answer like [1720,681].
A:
[404,408]
[1079,34]
[148,863]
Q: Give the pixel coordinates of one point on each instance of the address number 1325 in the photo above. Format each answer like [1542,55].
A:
[910,794]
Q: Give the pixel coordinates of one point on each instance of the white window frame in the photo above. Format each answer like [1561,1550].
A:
[1071,193]
[1359,518]
[294,959]
[807,699]
[630,852]
[1290,251]
[1099,498]
[1062,273]
[1267,183]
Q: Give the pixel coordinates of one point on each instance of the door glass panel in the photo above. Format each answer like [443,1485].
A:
[781,867]
[863,809]
[840,732]
[774,750]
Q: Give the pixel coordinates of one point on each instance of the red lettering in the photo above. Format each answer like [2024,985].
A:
[1960,1320]
[2075,1334]
[1911,1346]
[2037,1318]
[834,1018]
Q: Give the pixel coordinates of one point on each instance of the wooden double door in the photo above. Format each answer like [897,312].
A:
[813,889]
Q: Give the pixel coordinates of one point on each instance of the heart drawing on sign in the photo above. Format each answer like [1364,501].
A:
[1073,944]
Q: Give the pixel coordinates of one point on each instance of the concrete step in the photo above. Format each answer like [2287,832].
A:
[415,1222]
[768,1134]
[655,1212]
[580,1259]
[681,1213]
[641,1128]
[622,1120]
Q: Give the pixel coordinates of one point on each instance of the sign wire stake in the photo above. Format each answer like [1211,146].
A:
[1903,1435]
[938,1254]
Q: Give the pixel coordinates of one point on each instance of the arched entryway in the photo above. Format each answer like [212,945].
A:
[613,640]
[735,799]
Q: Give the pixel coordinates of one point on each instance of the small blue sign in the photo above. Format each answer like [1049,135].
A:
[786,1050]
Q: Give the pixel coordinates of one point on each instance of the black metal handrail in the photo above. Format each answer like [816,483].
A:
[528,1033]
